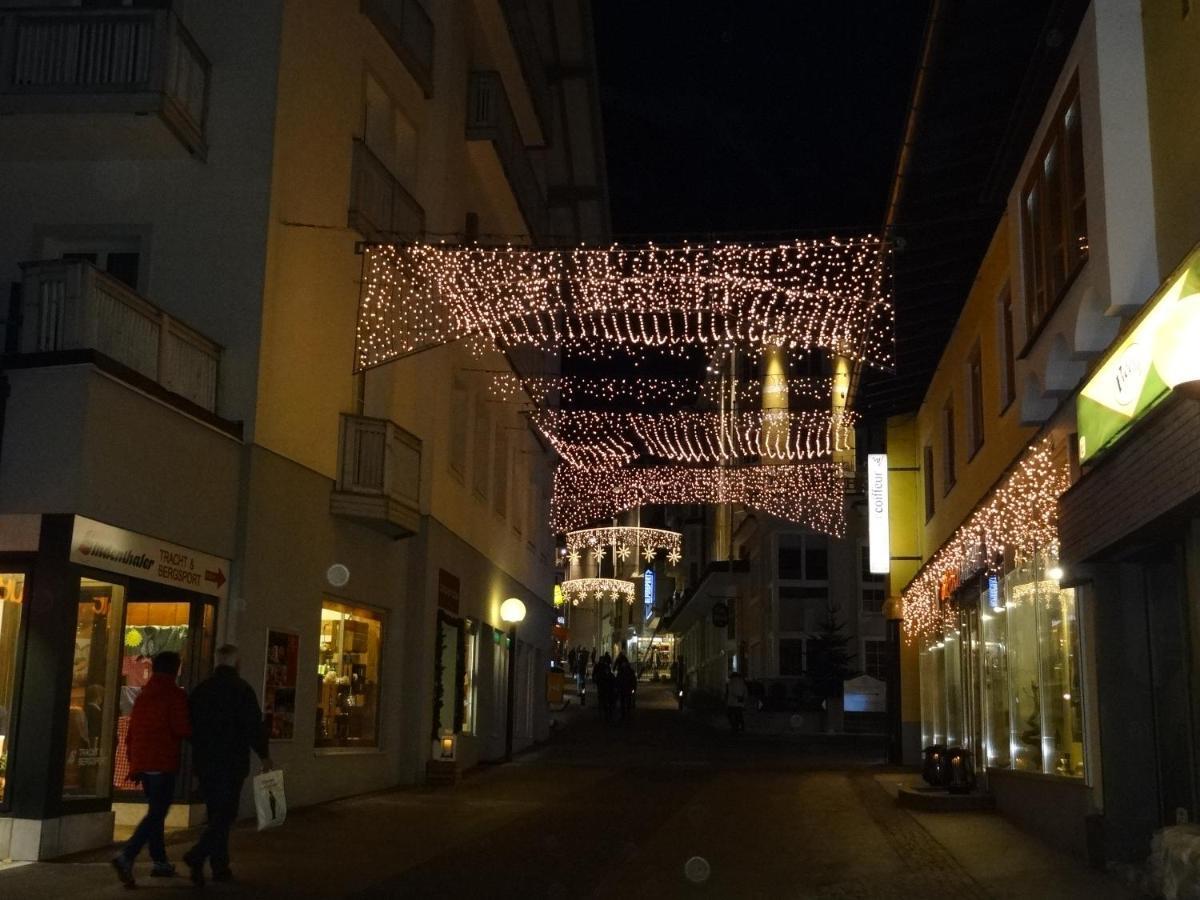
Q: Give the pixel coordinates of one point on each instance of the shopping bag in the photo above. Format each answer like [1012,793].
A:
[269,801]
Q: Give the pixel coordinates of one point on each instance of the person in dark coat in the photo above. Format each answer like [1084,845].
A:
[158,725]
[227,723]
[606,686]
[626,684]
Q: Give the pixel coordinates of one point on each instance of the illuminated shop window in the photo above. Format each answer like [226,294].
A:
[348,665]
[12,593]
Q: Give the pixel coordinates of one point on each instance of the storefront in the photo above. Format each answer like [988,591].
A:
[85,606]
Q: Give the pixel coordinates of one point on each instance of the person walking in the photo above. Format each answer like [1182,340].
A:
[605,688]
[626,684]
[736,692]
[157,726]
[227,723]
[573,661]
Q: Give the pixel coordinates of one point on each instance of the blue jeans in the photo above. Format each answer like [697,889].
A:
[159,790]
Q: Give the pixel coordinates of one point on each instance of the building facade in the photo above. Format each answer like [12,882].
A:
[188,457]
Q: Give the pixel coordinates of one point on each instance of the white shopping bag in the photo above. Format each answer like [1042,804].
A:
[269,800]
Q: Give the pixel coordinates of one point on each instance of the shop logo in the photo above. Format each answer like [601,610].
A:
[1130,374]
[112,554]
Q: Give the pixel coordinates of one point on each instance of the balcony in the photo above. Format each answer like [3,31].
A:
[72,305]
[379,476]
[133,81]
[523,34]
[407,28]
[490,118]
[380,207]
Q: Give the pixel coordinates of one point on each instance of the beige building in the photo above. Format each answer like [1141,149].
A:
[187,456]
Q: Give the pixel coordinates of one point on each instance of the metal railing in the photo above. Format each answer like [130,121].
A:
[72,305]
[86,60]
[490,118]
[380,207]
[408,29]
[378,457]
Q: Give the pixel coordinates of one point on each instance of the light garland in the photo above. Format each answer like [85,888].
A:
[1021,514]
[596,438]
[579,590]
[627,540]
[821,294]
[579,391]
[812,494]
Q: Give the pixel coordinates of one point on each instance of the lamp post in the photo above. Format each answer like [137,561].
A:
[512,611]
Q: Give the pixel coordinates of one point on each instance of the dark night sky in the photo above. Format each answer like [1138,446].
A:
[753,116]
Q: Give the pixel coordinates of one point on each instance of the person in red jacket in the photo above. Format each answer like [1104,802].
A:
[157,726]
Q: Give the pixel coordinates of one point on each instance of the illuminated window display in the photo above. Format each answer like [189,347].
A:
[12,593]
[348,668]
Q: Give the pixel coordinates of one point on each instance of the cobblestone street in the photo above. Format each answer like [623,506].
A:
[663,806]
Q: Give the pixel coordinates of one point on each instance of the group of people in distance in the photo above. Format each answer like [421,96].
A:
[616,683]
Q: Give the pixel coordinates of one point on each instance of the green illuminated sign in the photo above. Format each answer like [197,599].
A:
[1160,353]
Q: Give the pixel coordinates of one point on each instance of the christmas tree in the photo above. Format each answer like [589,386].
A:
[829,657]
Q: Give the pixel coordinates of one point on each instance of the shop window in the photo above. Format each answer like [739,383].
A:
[948,475]
[12,593]
[470,667]
[871,584]
[1024,687]
[88,756]
[993,621]
[927,474]
[1054,215]
[449,675]
[1008,385]
[975,397]
[791,656]
[348,666]
[875,659]
[933,691]
[1062,707]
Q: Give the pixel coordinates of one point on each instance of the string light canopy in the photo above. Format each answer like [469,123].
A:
[1020,516]
[829,295]
[600,438]
[627,541]
[580,590]
[579,391]
[811,494]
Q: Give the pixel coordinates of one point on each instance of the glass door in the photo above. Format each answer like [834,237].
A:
[972,692]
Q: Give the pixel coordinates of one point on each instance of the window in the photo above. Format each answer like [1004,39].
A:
[948,446]
[871,585]
[451,681]
[348,667]
[927,472]
[12,593]
[481,451]
[95,674]
[117,255]
[1008,385]
[791,656]
[1054,215]
[388,133]
[803,557]
[800,608]
[500,465]
[975,395]
[459,412]
[470,666]
[875,659]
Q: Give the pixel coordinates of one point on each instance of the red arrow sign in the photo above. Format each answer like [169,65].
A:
[217,576]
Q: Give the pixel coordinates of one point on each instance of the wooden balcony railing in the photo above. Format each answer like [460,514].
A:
[408,29]
[72,305]
[379,475]
[490,118]
[380,207]
[73,60]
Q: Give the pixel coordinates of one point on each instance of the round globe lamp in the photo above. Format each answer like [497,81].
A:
[512,611]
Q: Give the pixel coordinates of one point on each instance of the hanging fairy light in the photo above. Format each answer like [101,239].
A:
[630,538]
[582,391]
[1020,515]
[812,494]
[580,590]
[819,294]
[599,438]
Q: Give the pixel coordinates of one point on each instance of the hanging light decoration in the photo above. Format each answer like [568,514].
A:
[581,391]
[803,295]
[630,538]
[812,494]
[580,590]
[1020,515]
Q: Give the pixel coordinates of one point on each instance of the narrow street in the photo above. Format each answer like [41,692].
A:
[663,806]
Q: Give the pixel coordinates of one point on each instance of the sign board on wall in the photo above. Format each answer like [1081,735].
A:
[648,594]
[1158,355]
[138,556]
[879,531]
[864,694]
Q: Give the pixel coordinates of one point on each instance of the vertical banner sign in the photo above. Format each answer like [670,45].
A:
[877,513]
[648,594]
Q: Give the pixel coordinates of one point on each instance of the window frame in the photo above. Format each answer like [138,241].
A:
[868,581]
[350,606]
[881,649]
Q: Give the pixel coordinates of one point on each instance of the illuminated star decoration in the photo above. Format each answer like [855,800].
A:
[593,301]
[573,557]
[580,590]
[626,536]
[623,552]
[648,553]
[674,557]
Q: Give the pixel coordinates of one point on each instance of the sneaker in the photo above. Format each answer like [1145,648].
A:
[163,870]
[124,870]
[195,870]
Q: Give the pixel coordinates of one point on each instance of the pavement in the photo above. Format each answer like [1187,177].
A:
[665,805]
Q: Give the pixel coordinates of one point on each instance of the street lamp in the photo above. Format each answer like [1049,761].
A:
[512,611]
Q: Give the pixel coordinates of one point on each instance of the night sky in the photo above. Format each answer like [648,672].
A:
[753,117]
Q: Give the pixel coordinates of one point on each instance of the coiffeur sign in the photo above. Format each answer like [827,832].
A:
[129,553]
[1159,354]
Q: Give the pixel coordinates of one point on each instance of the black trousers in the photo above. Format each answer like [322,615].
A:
[221,794]
[159,789]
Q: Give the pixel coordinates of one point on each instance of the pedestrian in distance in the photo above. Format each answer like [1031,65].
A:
[736,693]
[573,661]
[227,723]
[602,675]
[158,724]
[626,684]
